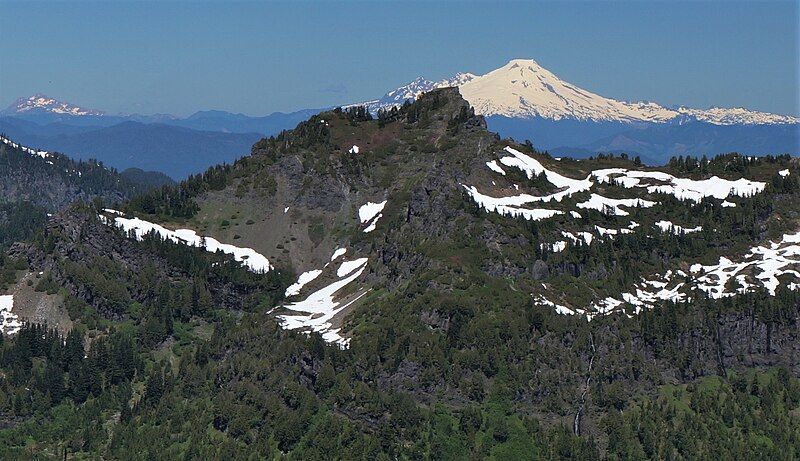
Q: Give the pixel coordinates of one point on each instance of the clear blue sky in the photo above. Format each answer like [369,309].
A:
[257,58]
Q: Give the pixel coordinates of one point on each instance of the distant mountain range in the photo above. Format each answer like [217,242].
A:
[173,145]
[522,100]
[43,110]
[524,89]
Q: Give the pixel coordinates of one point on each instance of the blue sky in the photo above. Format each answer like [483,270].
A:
[257,58]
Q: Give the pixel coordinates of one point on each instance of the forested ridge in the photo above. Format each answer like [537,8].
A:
[176,352]
[31,185]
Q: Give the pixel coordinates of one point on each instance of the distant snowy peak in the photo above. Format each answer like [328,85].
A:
[459,79]
[412,90]
[737,116]
[43,103]
[421,85]
[524,89]
[409,92]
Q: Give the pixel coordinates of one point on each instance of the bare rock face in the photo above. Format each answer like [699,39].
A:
[540,270]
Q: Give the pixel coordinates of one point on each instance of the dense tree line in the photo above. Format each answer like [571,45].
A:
[19,221]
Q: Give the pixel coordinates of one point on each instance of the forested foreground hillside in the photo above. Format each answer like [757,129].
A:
[413,287]
[34,182]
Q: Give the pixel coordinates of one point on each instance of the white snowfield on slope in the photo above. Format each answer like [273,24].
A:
[653,182]
[248,257]
[532,167]
[9,321]
[304,279]
[369,210]
[668,226]
[763,266]
[681,188]
[511,206]
[371,213]
[315,312]
[612,206]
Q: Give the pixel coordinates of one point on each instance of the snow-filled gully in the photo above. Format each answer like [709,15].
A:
[317,310]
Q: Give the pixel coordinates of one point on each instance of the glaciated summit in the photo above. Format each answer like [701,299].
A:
[43,103]
[524,89]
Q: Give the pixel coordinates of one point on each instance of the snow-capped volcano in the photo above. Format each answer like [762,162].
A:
[524,89]
[43,103]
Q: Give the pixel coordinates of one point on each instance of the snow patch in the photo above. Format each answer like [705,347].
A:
[510,206]
[761,265]
[611,206]
[668,226]
[532,167]
[338,252]
[34,152]
[348,267]
[605,231]
[765,266]
[557,247]
[681,188]
[585,237]
[563,310]
[9,321]
[304,279]
[495,167]
[248,257]
[371,213]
